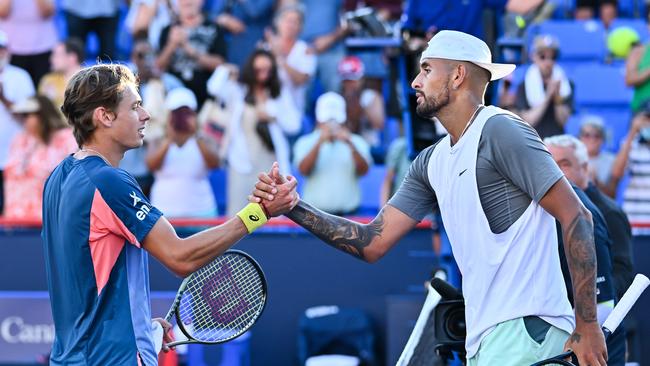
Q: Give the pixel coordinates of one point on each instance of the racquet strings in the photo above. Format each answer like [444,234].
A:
[223,299]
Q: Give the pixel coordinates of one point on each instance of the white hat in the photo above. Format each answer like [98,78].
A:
[180,97]
[28,105]
[330,107]
[459,46]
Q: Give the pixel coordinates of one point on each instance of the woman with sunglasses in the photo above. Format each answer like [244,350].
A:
[545,98]
[44,141]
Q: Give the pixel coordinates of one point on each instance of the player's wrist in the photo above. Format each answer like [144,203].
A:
[253,215]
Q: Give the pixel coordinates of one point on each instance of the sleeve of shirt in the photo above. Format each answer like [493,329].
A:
[306,62]
[367,97]
[132,214]
[362,147]
[301,148]
[519,155]
[415,197]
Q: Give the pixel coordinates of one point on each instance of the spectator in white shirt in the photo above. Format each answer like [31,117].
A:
[332,159]
[296,61]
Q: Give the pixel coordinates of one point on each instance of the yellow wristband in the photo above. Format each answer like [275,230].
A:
[252,216]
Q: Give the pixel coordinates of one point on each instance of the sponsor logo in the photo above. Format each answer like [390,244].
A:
[254,218]
[135,197]
[144,209]
[461,173]
[14,330]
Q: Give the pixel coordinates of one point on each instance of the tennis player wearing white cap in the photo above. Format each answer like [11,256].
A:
[499,192]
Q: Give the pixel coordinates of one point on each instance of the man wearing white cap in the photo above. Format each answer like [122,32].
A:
[499,192]
[332,159]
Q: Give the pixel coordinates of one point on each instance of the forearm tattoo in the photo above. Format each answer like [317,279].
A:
[343,234]
[581,257]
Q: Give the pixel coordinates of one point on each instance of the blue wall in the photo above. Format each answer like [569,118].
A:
[303,272]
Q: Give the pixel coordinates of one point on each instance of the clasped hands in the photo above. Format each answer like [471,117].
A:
[276,193]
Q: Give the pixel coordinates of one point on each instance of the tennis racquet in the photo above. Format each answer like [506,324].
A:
[613,320]
[220,301]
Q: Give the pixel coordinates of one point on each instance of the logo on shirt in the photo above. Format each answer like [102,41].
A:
[461,173]
[144,209]
[135,197]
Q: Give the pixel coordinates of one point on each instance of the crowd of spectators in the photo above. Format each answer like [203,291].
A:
[234,84]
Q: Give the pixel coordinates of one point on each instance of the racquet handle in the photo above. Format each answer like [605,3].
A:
[624,305]
[614,319]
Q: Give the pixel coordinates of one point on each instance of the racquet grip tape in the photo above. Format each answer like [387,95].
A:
[252,216]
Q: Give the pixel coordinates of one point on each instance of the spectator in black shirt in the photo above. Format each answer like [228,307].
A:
[192,48]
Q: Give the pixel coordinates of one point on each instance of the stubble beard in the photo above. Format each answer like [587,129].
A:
[430,107]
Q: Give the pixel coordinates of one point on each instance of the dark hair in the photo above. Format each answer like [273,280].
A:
[76,46]
[49,118]
[101,85]
[249,78]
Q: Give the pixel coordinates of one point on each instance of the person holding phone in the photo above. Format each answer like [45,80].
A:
[332,159]
[181,162]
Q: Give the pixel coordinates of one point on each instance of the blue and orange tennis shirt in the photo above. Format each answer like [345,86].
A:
[94,219]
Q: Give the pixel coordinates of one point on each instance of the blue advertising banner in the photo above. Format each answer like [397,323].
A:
[27,329]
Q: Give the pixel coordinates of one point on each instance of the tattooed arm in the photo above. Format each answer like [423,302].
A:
[368,242]
[587,340]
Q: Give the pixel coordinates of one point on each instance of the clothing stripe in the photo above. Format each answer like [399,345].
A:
[106,239]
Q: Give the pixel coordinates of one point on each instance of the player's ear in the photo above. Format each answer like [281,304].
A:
[458,75]
[103,116]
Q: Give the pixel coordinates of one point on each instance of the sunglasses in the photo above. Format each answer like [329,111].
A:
[590,135]
[546,56]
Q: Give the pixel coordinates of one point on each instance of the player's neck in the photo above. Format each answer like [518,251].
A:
[112,156]
[457,118]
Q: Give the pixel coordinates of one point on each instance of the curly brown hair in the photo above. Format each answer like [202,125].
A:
[92,87]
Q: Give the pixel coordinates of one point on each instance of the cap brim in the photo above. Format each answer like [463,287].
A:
[497,71]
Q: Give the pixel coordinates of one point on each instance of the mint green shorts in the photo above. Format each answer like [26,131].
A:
[511,344]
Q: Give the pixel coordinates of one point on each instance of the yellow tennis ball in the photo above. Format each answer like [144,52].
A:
[620,41]
[521,22]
